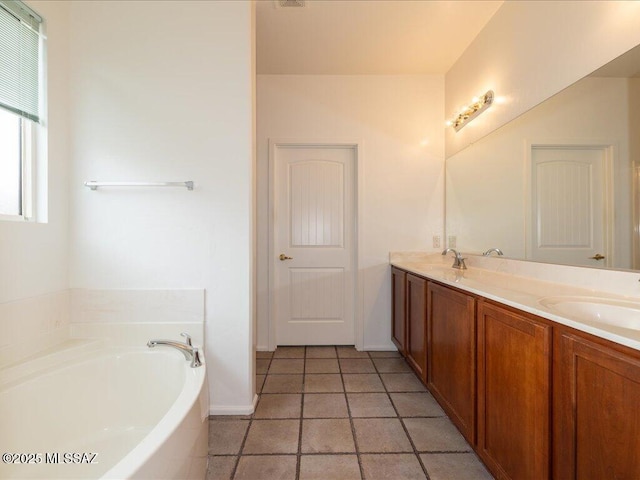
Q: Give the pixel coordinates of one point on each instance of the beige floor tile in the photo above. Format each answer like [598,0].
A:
[416,404]
[286,365]
[259,383]
[283,384]
[435,435]
[262,364]
[272,436]
[393,467]
[402,382]
[269,467]
[329,467]
[453,466]
[351,352]
[356,365]
[323,383]
[387,354]
[289,352]
[327,436]
[325,405]
[392,365]
[370,405]
[321,352]
[321,365]
[264,354]
[221,468]
[225,436]
[362,382]
[280,405]
[380,435]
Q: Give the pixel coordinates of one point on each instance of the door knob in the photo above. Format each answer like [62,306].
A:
[283,257]
[597,256]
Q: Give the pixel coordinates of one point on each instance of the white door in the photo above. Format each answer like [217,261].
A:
[569,212]
[313,292]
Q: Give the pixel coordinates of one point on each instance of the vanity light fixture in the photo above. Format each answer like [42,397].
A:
[468,113]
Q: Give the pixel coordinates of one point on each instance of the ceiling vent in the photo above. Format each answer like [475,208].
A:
[290,3]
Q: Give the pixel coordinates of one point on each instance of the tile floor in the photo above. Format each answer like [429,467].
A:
[336,413]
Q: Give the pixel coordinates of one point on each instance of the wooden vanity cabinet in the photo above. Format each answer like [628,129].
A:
[535,399]
[596,408]
[451,334]
[399,309]
[416,346]
[514,388]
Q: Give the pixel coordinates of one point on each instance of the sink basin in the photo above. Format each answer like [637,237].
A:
[618,313]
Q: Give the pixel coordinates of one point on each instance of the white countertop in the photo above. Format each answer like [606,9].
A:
[525,289]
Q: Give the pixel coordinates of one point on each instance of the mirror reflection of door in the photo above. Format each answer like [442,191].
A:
[570,219]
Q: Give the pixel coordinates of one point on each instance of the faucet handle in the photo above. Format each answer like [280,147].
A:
[195,360]
[187,338]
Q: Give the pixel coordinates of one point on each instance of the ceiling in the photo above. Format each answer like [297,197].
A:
[352,37]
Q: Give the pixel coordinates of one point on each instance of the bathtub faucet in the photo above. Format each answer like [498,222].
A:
[190,352]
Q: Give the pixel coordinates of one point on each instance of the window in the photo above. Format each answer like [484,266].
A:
[20,98]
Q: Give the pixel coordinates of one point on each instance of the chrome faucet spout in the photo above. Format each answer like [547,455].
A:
[458,261]
[491,250]
[191,353]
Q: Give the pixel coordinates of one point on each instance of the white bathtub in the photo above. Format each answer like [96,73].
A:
[143,412]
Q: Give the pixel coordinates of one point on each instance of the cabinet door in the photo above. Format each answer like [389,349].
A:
[514,385]
[399,309]
[416,325]
[452,355]
[597,403]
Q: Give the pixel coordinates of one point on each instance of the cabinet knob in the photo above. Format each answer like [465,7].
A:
[597,256]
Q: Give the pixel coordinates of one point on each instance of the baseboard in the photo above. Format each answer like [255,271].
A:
[380,348]
[377,348]
[234,409]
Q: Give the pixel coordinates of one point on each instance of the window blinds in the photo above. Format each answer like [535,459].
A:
[19,62]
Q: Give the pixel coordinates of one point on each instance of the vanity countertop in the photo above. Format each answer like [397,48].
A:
[527,286]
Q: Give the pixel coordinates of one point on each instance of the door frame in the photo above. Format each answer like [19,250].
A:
[358,186]
[610,149]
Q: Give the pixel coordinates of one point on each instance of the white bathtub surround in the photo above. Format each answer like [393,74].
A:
[143,411]
[523,284]
[40,322]
[137,305]
[133,317]
[89,383]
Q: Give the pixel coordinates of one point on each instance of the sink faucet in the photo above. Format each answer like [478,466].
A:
[190,352]
[458,261]
[488,252]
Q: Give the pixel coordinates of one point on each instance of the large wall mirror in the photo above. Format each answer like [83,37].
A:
[560,183]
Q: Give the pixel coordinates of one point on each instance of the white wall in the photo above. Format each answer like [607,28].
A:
[162,91]
[34,256]
[399,121]
[486,182]
[531,50]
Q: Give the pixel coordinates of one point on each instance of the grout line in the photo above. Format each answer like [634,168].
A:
[353,427]
[404,427]
[358,452]
[299,455]
[246,433]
